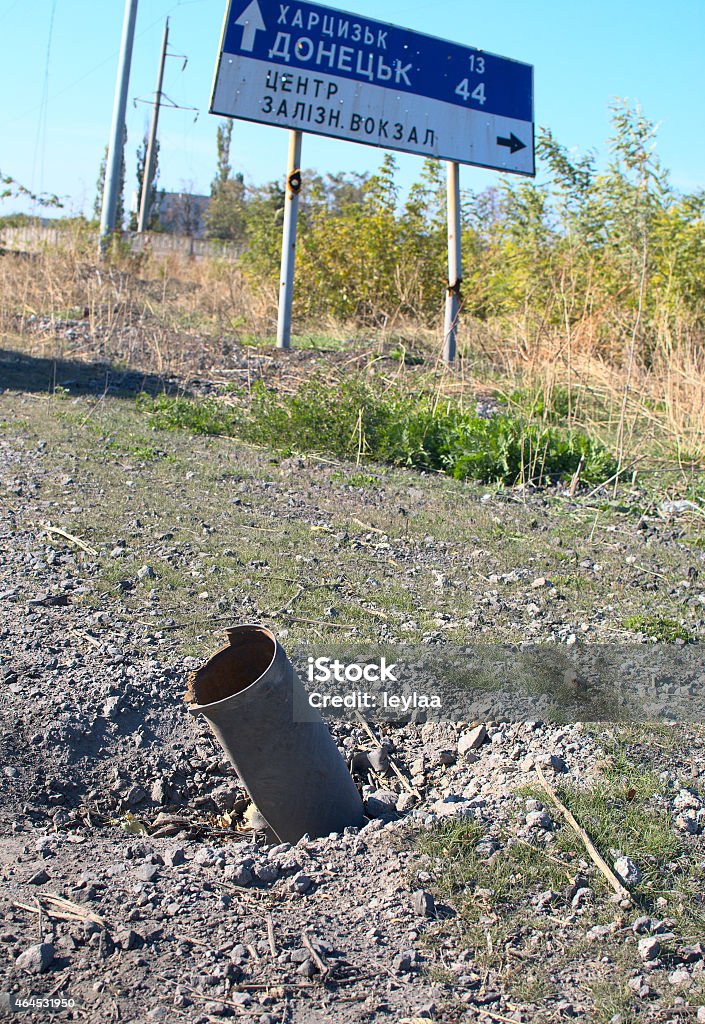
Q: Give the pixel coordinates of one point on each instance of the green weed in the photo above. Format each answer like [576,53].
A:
[659,627]
[356,420]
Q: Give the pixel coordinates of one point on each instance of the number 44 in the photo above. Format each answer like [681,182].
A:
[477,94]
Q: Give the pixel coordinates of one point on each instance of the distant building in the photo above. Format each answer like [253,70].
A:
[181,213]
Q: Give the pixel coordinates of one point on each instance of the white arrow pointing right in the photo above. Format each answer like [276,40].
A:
[252,23]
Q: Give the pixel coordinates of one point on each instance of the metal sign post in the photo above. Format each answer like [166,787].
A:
[291,213]
[309,68]
[454,263]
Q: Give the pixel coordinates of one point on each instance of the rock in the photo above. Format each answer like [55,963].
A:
[598,933]
[159,792]
[307,969]
[147,872]
[379,760]
[452,806]
[701,1015]
[238,874]
[691,954]
[382,804]
[642,925]
[36,959]
[267,872]
[580,897]
[405,961]
[405,802]
[472,740]
[649,948]
[301,883]
[539,819]
[127,939]
[627,870]
[175,856]
[681,978]
[146,572]
[423,903]
[39,877]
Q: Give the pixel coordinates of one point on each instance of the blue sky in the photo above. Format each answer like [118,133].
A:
[59,61]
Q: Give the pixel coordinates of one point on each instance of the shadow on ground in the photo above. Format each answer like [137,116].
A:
[22,372]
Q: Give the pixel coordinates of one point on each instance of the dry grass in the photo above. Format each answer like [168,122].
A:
[178,316]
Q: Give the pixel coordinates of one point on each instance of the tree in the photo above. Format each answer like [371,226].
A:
[100,185]
[153,207]
[225,218]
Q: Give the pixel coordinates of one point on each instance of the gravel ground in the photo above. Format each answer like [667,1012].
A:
[116,800]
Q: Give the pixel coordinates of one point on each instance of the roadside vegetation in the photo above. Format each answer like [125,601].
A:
[583,310]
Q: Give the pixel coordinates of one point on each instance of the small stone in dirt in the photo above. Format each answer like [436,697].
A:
[39,877]
[691,954]
[627,870]
[405,961]
[146,572]
[539,819]
[423,903]
[701,1015]
[405,802]
[472,740]
[382,804]
[301,883]
[649,948]
[36,959]
[147,872]
[267,872]
[175,856]
[238,874]
[307,969]
[379,760]
[127,939]
[642,925]
[159,792]
[680,977]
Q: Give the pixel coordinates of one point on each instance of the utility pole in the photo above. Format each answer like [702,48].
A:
[114,162]
[145,198]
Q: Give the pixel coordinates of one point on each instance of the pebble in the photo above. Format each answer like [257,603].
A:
[423,903]
[649,948]
[238,874]
[40,877]
[301,883]
[539,819]
[36,959]
[627,870]
[379,760]
[472,740]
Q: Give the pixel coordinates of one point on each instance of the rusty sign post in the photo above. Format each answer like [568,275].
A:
[291,213]
[308,68]
[455,271]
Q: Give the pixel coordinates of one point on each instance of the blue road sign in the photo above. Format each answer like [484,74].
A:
[312,68]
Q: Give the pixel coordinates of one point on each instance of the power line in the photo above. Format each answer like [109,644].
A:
[106,60]
[42,121]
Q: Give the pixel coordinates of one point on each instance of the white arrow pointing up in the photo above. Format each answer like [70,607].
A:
[252,22]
